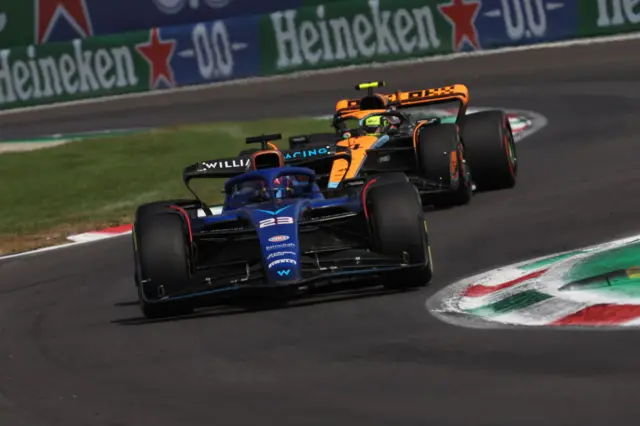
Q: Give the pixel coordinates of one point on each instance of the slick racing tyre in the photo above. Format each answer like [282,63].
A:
[397,227]
[441,159]
[162,206]
[490,150]
[162,256]
[391,177]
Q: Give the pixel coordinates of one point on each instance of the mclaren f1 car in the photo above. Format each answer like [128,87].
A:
[426,134]
[276,235]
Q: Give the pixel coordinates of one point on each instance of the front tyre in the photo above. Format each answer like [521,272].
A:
[162,250]
[398,227]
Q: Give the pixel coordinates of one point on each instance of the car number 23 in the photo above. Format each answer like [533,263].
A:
[280,220]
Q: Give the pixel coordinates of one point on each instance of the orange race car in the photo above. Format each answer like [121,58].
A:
[424,136]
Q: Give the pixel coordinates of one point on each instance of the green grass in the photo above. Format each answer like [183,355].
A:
[77,186]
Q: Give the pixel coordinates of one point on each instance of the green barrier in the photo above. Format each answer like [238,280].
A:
[59,72]
[16,22]
[607,17]
[352,32]
[320,34]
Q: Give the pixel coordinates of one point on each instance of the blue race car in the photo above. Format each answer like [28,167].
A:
[276,235]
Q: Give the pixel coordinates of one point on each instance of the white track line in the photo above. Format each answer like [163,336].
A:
[334,70]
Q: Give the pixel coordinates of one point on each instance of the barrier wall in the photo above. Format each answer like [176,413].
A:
[58,54]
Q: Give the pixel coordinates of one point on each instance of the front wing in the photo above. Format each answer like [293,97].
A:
[228,263]
[346,269]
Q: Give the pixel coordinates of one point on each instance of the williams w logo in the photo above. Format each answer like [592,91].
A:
[284,272]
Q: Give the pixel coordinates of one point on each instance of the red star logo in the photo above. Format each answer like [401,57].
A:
[48,12]
[462,16]
[158,54]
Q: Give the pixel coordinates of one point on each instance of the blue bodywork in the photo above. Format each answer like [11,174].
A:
[274,207]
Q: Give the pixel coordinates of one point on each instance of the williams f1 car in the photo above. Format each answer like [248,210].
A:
[426,134]
[276,234]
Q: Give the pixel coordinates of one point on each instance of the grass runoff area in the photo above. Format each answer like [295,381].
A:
[51,193]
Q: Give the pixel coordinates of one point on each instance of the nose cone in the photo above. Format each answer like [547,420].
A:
[278,234]
[281,255]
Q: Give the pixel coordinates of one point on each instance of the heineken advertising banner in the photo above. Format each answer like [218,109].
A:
[132,62]
[45,21]
[260,38]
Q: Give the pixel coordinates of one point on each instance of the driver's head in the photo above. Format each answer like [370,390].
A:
[283,186]
[374,124]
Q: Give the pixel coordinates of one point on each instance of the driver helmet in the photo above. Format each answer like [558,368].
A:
[283,185]
[375,124]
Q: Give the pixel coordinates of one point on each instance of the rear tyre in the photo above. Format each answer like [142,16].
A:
[441,158]
[490,150]
[162,256]
[391,177]
[397,227]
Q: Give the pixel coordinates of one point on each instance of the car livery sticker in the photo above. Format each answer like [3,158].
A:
[278,238]
[279,261]
[281,253]
[280,246]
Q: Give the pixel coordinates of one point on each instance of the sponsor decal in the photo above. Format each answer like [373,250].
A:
[158,54]
[280,220]
[280,246]
[284,272]
[307,153]
[280,261]
[528,21]
[171,7]
[280,253]
[49,12]
[65,71]
[462,16]
[225,164]
[272,212]
[213,49]
[278,238]
[365,33]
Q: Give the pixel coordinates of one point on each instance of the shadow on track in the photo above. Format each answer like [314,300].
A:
[249,308]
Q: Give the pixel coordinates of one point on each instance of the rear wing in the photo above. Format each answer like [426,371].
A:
[225,168]
[456,92]
[400,99]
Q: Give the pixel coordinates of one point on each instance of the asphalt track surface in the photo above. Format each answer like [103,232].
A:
[73,350]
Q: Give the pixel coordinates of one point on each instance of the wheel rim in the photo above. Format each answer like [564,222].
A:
[510,148]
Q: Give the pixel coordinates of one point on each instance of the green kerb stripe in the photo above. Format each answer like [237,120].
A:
[545,262]
[511,303]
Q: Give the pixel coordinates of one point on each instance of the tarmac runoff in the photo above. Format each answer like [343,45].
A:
[596,287]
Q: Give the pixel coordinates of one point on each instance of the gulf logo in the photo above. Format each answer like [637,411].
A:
[278,238]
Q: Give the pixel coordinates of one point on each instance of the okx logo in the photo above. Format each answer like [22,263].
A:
[283,272]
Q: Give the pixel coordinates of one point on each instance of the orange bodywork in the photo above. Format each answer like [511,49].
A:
[402,99]
[343,169]
[255,155]
[351,108]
